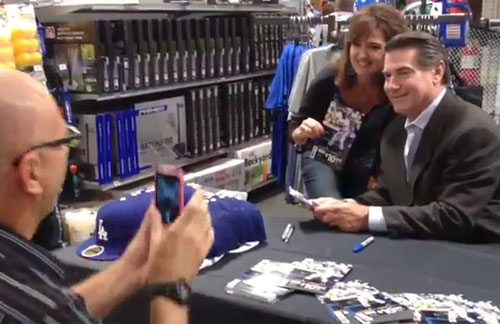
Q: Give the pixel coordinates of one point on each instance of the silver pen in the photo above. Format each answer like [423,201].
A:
[290,232]
[285,232]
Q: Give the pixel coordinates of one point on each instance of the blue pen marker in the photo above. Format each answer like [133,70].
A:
[361,246]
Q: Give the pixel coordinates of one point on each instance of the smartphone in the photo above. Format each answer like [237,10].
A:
[169,185]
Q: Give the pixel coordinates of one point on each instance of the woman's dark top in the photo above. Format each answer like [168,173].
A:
[363,160]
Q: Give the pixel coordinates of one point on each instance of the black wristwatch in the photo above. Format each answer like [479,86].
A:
[178,291]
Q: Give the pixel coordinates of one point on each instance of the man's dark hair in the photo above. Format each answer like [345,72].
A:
[430,50]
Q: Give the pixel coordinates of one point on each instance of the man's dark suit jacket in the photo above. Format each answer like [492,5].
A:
[453,191]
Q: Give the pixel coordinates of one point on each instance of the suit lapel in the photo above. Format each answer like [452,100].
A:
[399,161]
[430,137]
[396,173]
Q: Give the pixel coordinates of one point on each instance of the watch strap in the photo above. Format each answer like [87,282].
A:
[178,291]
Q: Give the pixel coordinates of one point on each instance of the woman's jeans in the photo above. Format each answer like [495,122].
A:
[320,179]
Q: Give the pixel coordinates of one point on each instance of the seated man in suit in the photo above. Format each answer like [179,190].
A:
[440,159]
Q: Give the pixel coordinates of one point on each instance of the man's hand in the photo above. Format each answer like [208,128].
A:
[182,247]
[184,244]
[139,253]
[158,253]
[103,291]
[346,216]
[309,129]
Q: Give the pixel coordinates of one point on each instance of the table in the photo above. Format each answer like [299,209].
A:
[402,265]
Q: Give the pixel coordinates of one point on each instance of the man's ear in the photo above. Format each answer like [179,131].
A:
[439,73]
[30,172]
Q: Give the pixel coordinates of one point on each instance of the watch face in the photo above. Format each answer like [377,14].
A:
[179,291]
[183,291]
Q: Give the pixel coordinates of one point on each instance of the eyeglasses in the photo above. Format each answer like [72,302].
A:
[71,140]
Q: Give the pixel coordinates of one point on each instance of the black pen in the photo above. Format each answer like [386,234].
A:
[290,232]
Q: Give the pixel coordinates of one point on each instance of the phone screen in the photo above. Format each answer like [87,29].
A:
[167,197]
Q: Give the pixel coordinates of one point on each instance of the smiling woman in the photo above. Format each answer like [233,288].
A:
[352,90]
[374,26]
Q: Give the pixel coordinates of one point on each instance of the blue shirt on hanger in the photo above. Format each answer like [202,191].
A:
[277,101]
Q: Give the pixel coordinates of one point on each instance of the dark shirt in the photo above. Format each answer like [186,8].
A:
[363,160]
[33,286]
[50,232]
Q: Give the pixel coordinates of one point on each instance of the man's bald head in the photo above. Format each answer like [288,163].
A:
[27,112]
[29,117]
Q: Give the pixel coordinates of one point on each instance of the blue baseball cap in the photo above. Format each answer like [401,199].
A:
[235,222]
[116,224]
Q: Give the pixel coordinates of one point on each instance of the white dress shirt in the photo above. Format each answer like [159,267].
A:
[414,131]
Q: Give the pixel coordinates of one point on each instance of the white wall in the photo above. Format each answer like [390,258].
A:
[491,9]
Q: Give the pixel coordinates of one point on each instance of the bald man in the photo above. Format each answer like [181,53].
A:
[34,142]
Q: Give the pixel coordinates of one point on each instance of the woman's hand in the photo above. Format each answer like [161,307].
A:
[309,129]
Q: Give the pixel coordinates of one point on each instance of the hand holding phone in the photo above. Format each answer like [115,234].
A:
[169,189]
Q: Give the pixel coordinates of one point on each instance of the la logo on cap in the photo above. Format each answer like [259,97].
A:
[101,233]
[93,251]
